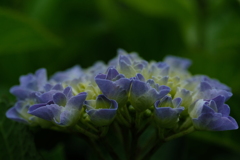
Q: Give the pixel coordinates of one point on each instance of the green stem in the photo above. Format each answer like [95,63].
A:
[134,143]
[122,120]
[96,149]
[123,136]
[126,113]
[153,149]
[110,149]
[118,131]
[126,139]
[142,129]
[180,134]
[151,140]
[153,145]
[85,132]
[87,124]
[185,124]
[93,145]
[160,132]
[138,120]
[104,131]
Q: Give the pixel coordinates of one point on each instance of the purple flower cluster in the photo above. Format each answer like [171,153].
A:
[105,93]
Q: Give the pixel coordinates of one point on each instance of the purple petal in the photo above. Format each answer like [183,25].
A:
[225,110]
[153,95]
[101,76]
[177,102]
[29,82]
[120,76]
[102,117]
[77,101]
[36,106]
[139,67]
[47,112]
[124,83]
[167,116]
[47,87]
[140,77]
[138,88]
[69,74]
[166,101]
[207,109]
[142,95]
[185,95]
[102,102]
[116,90]
[59,99]
[41,77]
[125,68]
[164,68]
[219,100]
[214,122]
[24,80]
[205,86]
[213,106]
[20,105]
[67,117]
[68,92]
[124,59]
[178,62]
[163,90]
[112,73]
[222,108]
[207,121]
[143,102]
[20,92]
[151,83]
[58,87]
[13,114]
[215,83]
[213,93]
[228,123]
[106,86]
[162,65]
[90,104]
[47,97]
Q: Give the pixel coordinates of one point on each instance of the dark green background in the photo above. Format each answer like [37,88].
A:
[57,34]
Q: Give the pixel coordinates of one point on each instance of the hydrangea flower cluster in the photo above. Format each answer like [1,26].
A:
[129,91]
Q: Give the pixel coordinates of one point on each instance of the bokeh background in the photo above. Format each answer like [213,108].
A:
[58,34]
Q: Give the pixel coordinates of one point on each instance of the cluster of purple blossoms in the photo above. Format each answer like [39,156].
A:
[128,90]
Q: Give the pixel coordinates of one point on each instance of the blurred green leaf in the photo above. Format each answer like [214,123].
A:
[16,141]
[223,139]
[133,30]
[185,13]
[174,8]
[57,153]
[222,33]
[21,34]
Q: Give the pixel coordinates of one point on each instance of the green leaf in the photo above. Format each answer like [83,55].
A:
[21,34]
[224,139]
[16,143]
[223,34]
[176,8]
[56,153]
[135,31]
[185,13]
